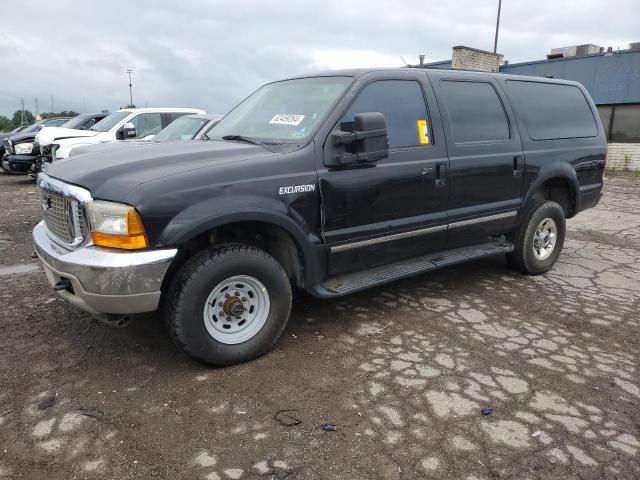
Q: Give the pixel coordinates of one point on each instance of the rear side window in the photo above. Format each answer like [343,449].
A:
[475,112]
[552,111]
[405,111]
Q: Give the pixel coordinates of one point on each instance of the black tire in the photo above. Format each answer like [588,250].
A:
[523,257]
[187,296]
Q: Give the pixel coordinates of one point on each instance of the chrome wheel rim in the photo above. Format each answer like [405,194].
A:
[544,239]
[236,309]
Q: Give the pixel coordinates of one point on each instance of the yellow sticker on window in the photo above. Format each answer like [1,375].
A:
[423,131]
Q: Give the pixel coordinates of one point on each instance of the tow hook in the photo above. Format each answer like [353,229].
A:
[114,320]
[63,284]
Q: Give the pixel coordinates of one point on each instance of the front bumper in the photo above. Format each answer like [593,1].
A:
[18,163]
[105,281]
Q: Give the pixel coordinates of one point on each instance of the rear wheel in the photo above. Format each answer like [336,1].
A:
[228,305]
[539,238]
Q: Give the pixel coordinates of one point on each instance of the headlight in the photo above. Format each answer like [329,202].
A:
[116,225]
[23,148]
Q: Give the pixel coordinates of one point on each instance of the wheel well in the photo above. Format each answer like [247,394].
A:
[558,190]
[271,238]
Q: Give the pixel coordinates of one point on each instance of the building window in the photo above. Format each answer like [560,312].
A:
[606,115]
[621,122]
[625,127]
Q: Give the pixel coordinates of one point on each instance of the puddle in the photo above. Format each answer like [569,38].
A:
[19,268]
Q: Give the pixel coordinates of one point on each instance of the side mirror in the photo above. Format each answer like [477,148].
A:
[129,130]
[367,143]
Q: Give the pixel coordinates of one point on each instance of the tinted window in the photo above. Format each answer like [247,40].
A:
[76,122]
[550,111]
[475,112]
[110,121]
[175,115]
[183,128]
[403,106]
[605,112]
[626,124]
[147,124]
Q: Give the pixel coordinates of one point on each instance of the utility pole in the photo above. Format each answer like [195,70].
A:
[37,107]
[129,71]
[51,103]
[22,114]
[495,40]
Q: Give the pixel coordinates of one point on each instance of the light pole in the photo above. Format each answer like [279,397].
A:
[495,40]
[129,71]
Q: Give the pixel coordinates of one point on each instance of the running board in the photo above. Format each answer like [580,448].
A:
[354,282]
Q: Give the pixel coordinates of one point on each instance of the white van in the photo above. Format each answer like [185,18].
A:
[129,123]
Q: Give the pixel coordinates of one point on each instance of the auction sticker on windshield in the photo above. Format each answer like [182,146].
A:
[287,119]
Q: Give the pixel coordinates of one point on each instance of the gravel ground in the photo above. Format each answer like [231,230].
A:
[403,372]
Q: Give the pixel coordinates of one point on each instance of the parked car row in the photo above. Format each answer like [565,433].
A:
[21,150]
[34,148]
[35,127]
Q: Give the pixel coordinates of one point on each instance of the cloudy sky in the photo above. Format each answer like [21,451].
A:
[210,54]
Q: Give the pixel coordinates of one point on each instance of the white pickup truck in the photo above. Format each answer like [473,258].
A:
[56,143]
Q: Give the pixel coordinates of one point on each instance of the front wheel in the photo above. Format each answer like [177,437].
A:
[539,238]
[228,305]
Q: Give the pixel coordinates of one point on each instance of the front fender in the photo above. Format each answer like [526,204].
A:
[218,211]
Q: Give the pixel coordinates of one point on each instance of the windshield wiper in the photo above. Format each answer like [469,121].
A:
[254,141]
[244,139]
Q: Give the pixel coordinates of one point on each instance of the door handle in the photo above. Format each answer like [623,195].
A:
[441,174]
[518,165]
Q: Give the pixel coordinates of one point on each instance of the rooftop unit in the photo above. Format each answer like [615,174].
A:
[575,51]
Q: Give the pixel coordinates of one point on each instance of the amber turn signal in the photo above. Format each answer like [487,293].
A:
[134,239]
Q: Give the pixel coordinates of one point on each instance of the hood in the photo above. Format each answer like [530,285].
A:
[108,146]
[111,174]
[23,137]
[48,135]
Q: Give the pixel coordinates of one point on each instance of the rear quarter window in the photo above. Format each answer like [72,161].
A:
[552,111]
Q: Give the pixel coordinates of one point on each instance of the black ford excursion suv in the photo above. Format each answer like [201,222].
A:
[332,183]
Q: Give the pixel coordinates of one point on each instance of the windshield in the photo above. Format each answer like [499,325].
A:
[283,111]
[76,122]
[184,128]
[55,122]
[110,121]
[34,127]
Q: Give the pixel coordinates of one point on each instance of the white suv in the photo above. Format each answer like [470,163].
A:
[56,143]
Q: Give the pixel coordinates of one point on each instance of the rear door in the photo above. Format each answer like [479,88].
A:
[395,208]
[485,154]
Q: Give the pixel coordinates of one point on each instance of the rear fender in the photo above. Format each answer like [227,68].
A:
[552,170]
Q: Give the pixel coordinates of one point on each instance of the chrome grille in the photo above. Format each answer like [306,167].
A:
[64,215]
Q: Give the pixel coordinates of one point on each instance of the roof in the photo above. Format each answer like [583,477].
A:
[206,116]
[162,109]
[360,72]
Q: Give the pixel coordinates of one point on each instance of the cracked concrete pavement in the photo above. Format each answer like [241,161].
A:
[403,372]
